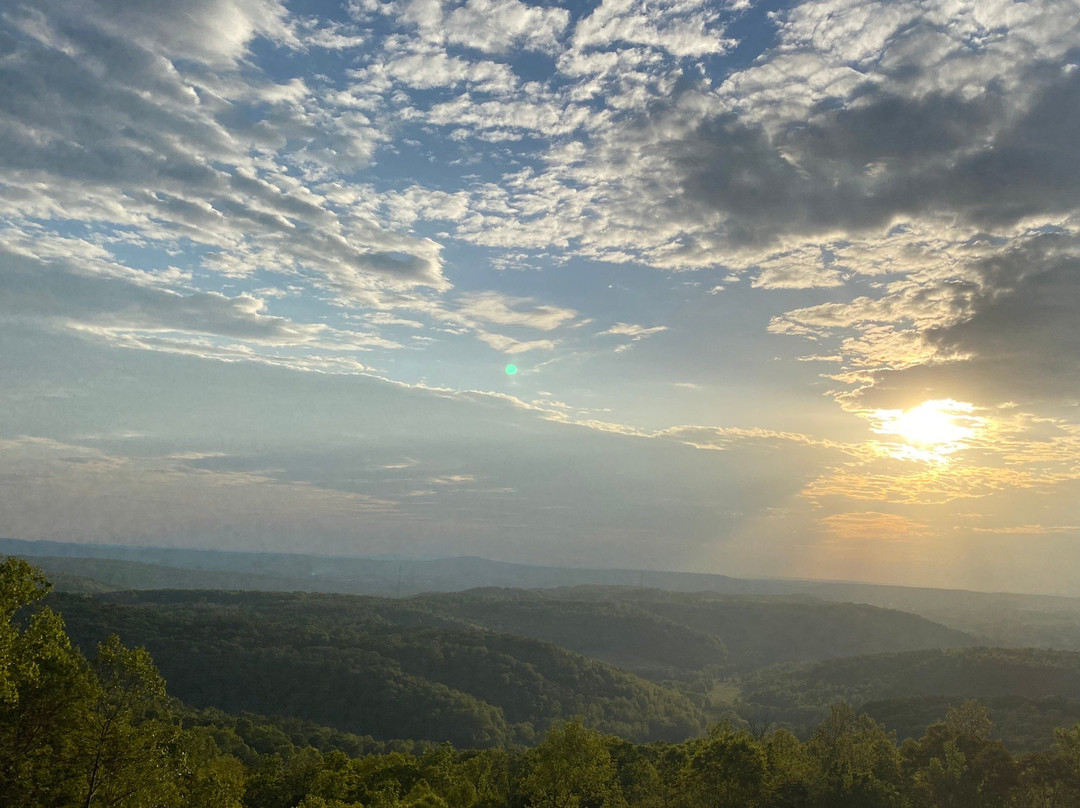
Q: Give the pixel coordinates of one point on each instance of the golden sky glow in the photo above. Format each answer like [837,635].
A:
[932,430]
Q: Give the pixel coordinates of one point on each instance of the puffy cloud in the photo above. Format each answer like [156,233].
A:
[499,25]
[635,332]
[212,31]
[106,122]
[682,28]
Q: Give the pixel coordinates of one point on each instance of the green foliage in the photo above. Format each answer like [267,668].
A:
[729,769]
[89,735]
[364,666]
[104,734]
[1028,691]
[571,768]
[20,585]
[858,762]
[675,635]
[47,692]
[956,763]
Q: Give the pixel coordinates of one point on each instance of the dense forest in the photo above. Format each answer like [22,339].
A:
[486,667]
[369,666]
[496,667]
[103,732]
[1030,691]
[672,634]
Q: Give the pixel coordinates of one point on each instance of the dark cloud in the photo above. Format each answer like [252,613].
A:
[989,161]
[1024,332]
[1016,333]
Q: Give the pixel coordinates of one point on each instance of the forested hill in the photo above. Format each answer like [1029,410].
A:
[1029,691]
[997,618]
[479,668]
[966,672]
[345,662]
[668,634]
[102,732]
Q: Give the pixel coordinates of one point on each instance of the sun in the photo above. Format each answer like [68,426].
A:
[931,430]
[931,424]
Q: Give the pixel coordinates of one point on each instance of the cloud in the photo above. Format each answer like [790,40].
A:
[509,345]
[635,332]
[1021,330]
[873,526]
[682,29]
[213,31]
[881,156]
[492,307]
[892,187]
[1027,530]
[53,489]
[496,26]
[632,330]
[106,122]
[33,291]
[992,324]
[66,285]
[917,117]
[478,312]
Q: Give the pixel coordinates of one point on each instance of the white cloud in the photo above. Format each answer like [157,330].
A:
[499,309]
[634,331]
[682,28]
[102,126]
[496,26]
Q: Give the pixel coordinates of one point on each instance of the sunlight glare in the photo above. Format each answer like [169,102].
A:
[932,430]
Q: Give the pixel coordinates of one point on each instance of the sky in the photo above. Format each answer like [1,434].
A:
[762,289]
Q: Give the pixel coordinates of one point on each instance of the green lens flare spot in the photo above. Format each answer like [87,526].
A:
[511,370]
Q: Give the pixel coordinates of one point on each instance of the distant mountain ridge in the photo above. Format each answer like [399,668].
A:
[997,618]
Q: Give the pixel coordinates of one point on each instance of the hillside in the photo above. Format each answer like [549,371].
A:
[996,618]
[1024,724]
[340,661]
[89,575]
[1030,691]
[665,634]
[77,731]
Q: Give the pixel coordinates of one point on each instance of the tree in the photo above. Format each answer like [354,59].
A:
[75,735]
[128,734]
[859,762]
[572,768]
[46,692]
[956,763]
[726,770]
[208,778]
[791,770]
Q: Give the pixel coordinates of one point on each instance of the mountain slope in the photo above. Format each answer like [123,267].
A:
[665,634]
[342,661]
[998,618]
[1032,690]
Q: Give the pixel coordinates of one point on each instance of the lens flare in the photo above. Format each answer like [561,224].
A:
[511,370]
